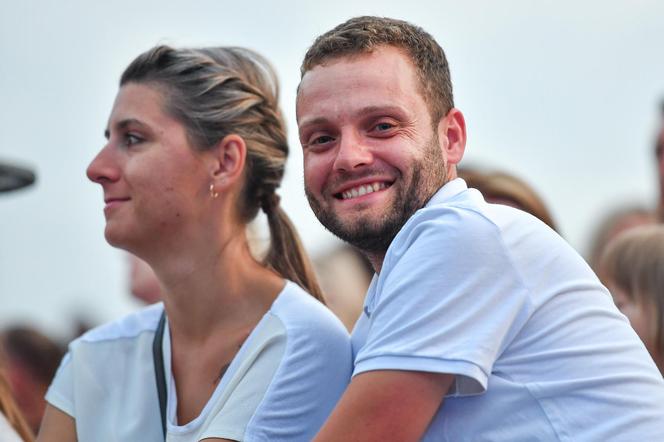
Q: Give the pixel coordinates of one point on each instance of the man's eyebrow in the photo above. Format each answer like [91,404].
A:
[313,121]
[388,108]
[122,124]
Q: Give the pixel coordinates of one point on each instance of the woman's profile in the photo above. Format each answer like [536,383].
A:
[196,148]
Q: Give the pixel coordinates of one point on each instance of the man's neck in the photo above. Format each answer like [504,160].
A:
[376,259]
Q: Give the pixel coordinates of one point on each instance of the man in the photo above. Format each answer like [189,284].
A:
[480,323]
[659,155]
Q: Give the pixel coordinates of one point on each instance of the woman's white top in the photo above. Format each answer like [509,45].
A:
[7,432]
[281,385]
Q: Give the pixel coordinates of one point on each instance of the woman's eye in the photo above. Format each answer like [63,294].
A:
[131,139]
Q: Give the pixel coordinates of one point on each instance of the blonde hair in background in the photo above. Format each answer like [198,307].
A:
[505,188]
[634,262]
[612,225]
[218,91]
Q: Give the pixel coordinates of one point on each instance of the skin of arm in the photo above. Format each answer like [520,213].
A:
[386,405]
[57,426]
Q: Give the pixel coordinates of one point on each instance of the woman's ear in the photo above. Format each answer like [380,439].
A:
[228,160]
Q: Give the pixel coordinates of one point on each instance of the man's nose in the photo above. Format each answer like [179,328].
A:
[352,153]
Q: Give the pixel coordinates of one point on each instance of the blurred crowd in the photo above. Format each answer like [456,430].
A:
[626,252]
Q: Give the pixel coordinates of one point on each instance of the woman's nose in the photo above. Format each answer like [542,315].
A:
[103,167]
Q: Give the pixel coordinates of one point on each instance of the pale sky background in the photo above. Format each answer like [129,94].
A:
[562,93]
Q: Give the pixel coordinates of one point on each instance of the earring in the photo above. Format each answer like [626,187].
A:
[213,193]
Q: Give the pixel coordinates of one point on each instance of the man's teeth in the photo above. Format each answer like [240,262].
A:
[362,190]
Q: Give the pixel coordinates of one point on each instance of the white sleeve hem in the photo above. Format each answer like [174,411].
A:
[60,402]
[469,378]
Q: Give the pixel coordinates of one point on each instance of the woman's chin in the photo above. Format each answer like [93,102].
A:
[116,238]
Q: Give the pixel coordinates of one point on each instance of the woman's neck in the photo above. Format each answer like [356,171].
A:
[207,289]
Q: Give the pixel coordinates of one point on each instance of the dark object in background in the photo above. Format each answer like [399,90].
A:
[14,177]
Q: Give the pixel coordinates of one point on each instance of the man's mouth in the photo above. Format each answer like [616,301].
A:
[361,190]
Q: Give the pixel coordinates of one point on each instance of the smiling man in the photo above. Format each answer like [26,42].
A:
[481,323]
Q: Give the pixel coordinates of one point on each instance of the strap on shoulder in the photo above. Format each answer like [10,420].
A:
[160,378]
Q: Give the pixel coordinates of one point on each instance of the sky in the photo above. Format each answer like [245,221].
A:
[563,94]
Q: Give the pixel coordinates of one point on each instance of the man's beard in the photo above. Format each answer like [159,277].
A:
[374,236]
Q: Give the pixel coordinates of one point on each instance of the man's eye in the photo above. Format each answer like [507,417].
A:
[383,126]
[323,139]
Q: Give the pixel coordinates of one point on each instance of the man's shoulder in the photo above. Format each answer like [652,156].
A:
[454,219]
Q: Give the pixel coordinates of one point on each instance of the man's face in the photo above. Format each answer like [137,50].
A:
[372,155]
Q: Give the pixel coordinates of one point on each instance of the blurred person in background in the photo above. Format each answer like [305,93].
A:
[503,188]
[13,427]
[238,350]
[31,360]
[616,222]
[143,283]
[633,270]
[628,215]
[344,275]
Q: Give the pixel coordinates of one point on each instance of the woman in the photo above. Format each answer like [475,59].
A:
[196,147]
[633,270]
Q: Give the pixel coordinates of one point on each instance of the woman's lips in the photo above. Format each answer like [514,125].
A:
[112,203]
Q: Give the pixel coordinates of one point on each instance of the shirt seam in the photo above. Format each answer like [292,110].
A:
[270,386]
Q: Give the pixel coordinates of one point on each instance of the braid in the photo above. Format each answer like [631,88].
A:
[286,254]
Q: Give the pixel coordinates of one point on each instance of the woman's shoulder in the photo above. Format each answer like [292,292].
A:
[129,326]
[297,309]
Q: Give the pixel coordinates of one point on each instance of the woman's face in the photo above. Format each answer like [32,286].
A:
[154,182]
[640,316]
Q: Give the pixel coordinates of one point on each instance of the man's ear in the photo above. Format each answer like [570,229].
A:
[227,161]
[452,136]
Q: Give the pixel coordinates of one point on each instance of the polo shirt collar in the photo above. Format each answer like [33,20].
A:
[448,191]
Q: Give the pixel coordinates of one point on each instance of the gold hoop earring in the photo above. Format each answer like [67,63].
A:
[213,193]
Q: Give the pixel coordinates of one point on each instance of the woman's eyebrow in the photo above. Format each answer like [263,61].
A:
[122,124]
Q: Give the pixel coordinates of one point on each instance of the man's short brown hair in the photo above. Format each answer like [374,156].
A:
[362,35]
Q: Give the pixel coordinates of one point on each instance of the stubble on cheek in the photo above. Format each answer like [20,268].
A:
[374,230]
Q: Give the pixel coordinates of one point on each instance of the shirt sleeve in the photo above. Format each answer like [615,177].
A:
[446,301]
[61,392]
[292,384]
